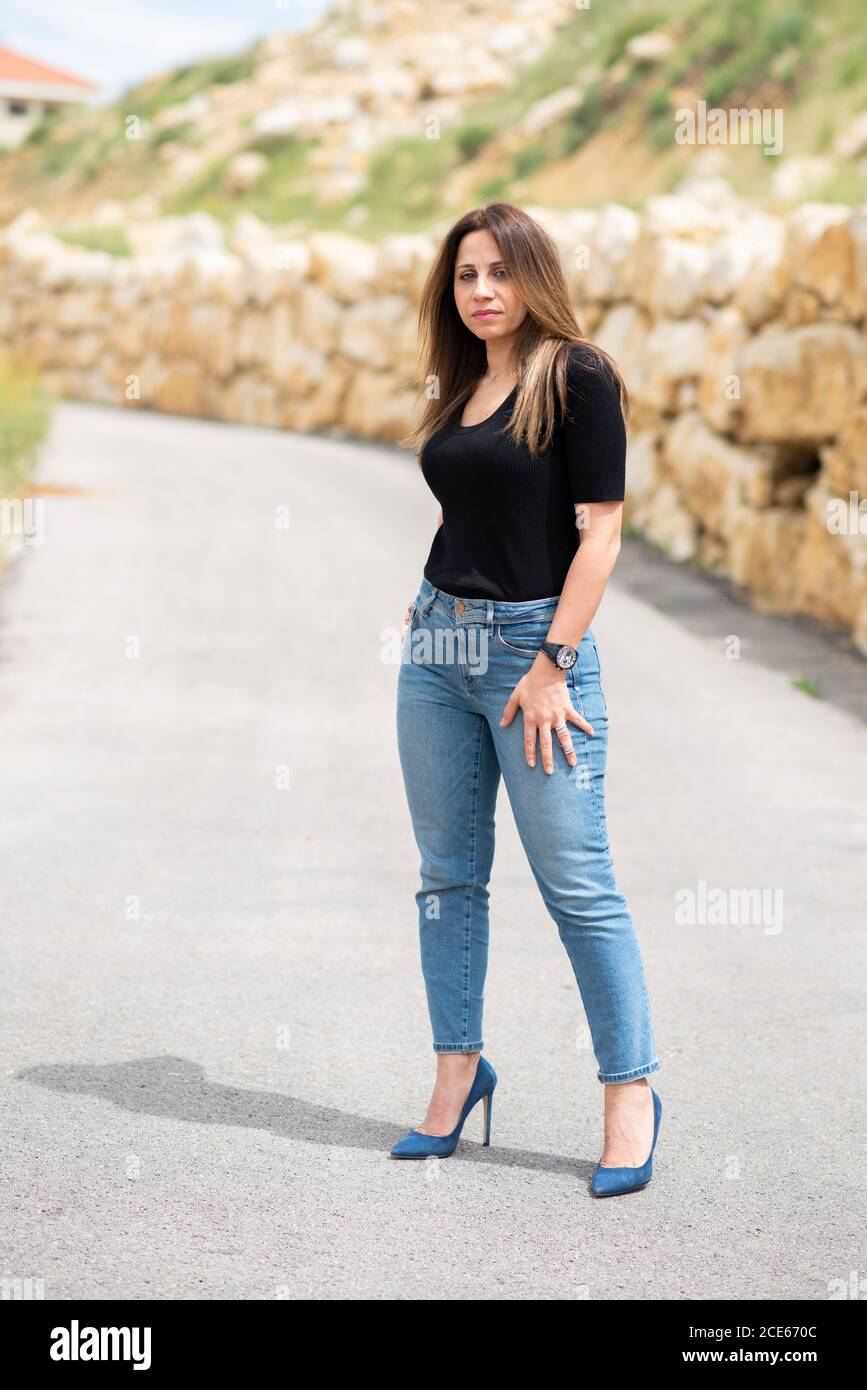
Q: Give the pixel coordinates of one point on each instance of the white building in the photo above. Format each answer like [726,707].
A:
[27,89]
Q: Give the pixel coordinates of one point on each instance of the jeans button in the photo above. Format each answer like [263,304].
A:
[459,607]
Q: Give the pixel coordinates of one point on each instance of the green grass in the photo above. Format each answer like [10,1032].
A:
[852,64]
[284,191]
[808,685]
[408,176]
[44,128]
[630,27]
[201,194]
[847,185]
[659,112]
[179,85]
[25,416]
[529,159]
[109,239]
[186,132]
[585,120]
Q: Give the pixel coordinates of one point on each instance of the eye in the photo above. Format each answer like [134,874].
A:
[470,273]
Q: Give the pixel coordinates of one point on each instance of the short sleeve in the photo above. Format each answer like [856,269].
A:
[594,438]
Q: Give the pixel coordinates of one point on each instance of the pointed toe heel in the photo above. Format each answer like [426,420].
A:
[609,1182]
[419,1145]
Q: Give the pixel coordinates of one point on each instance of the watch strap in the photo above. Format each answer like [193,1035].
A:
[552,648]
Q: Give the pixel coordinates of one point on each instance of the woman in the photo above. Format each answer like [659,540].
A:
[523,442]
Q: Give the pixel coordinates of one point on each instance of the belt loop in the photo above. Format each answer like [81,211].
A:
[489,615]
[425,608]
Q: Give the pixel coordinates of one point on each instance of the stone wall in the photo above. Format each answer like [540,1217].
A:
[741,337]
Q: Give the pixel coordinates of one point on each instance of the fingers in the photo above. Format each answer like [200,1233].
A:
[565,740]
[544,730]
[509,709]
[546,747]
[571,713]
[529,741]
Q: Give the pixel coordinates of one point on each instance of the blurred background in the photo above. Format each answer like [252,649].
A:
[228,212]
[215,223]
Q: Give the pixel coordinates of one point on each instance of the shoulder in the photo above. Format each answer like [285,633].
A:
[592,387]
[587,370]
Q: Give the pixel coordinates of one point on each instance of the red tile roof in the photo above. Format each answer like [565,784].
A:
[14,67]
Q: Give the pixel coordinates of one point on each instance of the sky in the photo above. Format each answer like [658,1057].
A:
[116,43]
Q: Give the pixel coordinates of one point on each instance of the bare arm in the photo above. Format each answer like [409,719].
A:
[600,524]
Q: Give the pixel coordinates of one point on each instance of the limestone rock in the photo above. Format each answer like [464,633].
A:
[345,266]
[845,460]
[674,352]
[818,255]
[852,142]
[801,385]
[719,389]
[642,469]
[368,330]
[715,479]
[651,47]
[763,557]
[244,171]
[668,524]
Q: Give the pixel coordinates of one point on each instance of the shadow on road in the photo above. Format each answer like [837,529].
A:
[179,1090]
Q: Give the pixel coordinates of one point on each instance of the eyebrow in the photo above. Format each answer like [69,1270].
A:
[470,265]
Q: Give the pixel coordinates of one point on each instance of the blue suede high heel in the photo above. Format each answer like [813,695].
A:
[419,1145]
[607,1182]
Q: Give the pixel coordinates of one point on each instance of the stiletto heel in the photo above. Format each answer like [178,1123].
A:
[608,1182]
[419,1145]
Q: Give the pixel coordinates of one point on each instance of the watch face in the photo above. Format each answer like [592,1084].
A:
[566,658]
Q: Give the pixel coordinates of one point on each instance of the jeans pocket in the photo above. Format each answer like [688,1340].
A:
[523,638]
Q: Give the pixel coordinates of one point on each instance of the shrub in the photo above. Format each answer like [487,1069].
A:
[25,414]
[472,138]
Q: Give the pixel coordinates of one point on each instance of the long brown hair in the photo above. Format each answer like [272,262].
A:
[453,358]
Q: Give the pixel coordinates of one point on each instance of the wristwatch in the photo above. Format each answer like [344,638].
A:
[562,655]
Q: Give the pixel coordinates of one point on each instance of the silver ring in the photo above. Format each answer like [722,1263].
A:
[558,728]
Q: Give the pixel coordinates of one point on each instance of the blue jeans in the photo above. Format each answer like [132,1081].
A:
[460,661]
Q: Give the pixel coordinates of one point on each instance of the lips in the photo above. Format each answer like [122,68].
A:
[487,314]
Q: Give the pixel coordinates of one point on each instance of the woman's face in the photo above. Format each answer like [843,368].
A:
[484,295]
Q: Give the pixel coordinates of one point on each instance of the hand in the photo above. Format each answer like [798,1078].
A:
[406,617]
[545,700]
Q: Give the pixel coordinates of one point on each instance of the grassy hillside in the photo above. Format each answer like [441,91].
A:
[613,137]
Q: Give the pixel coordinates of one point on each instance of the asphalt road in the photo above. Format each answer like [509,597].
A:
[212,1015]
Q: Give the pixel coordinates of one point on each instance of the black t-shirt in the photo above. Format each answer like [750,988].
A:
[508,529]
